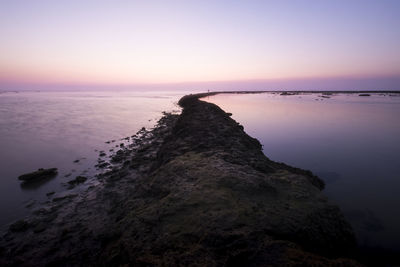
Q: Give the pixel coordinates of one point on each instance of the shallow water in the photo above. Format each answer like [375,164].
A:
[53,129]
[352,142]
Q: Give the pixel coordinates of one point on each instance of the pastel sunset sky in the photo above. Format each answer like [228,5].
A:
[254,44]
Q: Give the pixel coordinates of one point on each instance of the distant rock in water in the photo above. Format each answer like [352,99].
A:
[40,174]
[288,93]
[364,95]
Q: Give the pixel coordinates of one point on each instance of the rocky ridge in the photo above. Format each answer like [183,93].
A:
[199,191]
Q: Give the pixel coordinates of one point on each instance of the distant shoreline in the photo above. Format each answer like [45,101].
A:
[222,91]
[294,92]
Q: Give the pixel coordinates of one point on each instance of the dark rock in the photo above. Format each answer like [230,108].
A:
[19,226]
[288,93]
[50,193]
[40,227]
[119,156]
[57,199]
[39,175]
[78,180]
[103,165]
[76,161]
[364,95]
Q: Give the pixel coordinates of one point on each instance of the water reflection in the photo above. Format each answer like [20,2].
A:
[351,141]
[329,177]
[32,185]
[54,129]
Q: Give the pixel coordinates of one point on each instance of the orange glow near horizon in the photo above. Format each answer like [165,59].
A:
[152,43]
[105,74]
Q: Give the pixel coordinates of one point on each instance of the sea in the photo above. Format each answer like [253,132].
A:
[68,131]
[352,142]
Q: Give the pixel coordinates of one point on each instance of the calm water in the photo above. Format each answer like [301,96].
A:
[43,130]
[350,141]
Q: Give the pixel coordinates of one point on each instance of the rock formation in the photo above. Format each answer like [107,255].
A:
[198,192]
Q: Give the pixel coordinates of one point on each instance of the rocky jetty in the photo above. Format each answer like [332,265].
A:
[198,191]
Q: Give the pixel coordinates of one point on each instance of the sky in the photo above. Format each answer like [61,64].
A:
[229,45]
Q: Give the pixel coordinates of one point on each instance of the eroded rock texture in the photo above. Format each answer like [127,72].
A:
[199,192]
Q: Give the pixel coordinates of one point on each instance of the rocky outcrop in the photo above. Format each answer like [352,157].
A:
[40,174]
[200,192]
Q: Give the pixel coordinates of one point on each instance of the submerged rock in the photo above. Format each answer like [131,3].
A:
[364,95]
[38,175]
[78,180]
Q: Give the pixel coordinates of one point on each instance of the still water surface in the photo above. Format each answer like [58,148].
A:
[352,142]
[53,129]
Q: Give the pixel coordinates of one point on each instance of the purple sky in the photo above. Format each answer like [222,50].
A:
[198,45]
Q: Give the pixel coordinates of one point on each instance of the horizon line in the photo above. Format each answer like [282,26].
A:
[388,82]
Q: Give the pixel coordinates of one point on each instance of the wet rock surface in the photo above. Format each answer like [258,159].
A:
[40,174]
[78,180]
[196,190]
